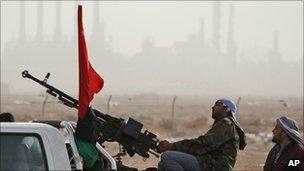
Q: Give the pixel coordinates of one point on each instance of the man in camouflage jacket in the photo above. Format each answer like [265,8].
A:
[215,150]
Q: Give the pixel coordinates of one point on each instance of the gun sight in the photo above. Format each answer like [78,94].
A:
[46,77]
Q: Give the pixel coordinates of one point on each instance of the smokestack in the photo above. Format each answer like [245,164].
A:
[21,33]
[275,56]
[39,31]
[231,47]
[96,12]
[275,42]
[216,25]
[202,31]
[58,31]
[98,34]
[75,23]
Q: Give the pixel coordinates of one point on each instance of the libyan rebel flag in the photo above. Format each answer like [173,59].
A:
[89,81]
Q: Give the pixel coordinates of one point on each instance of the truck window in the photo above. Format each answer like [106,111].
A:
[22,152]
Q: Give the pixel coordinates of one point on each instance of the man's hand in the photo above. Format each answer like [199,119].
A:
[164,146]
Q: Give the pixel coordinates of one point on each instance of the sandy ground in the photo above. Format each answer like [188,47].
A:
[191,118]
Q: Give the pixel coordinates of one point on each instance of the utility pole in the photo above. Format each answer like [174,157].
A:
[43,104]
[108,104]
[172,111]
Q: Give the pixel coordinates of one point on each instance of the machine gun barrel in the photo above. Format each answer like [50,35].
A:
[66,99]
[127,133]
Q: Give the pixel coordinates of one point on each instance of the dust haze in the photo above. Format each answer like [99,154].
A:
[153,53]
[172,48]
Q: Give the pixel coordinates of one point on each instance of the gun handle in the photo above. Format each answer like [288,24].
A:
[67,102]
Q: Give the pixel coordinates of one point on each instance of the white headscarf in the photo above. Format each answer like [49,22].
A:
[290,127]
[230,106]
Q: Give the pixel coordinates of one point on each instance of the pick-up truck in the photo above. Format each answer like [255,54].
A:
[43,145]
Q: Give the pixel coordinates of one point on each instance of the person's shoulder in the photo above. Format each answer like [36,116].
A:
[296,151]
[299,147]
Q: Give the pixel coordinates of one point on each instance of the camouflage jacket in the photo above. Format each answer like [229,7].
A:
[215,150]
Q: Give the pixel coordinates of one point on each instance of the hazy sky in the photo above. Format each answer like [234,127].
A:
[130,22]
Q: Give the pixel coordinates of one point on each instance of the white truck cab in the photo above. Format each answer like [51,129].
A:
[40,146]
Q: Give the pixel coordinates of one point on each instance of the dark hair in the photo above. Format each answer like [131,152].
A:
[6,117]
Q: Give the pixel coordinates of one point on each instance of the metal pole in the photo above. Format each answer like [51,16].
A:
[108,104]
[172,111]
[43,104]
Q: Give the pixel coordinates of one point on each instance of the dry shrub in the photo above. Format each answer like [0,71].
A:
[145,119]
[166,124]
[258,122]
[198,123]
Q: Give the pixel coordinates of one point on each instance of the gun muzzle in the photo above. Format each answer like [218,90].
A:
[25,74]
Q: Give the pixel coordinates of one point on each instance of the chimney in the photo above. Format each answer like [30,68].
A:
[275,42]
[216,25]
[21,33]
[58,31]
[202,31]
[275,57]
[39,31]
[231,47]
[98,33]
[75,24]
[276,53]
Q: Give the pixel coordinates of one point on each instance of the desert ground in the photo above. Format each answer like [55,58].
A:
[191,118]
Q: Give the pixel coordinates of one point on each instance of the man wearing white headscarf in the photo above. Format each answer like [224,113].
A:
[215,150]
[288,152]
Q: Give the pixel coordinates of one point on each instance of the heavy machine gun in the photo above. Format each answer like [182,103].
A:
[126,132]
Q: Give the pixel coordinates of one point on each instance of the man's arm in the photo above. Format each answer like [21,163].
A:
[221,132]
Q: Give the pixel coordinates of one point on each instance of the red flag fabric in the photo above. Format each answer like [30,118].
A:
[89,81]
